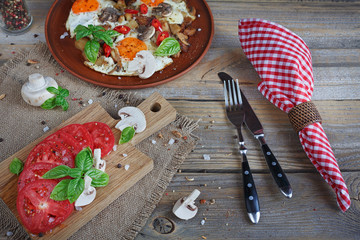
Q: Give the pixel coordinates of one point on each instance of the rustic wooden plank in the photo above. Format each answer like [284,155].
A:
[340,121]
[312,212]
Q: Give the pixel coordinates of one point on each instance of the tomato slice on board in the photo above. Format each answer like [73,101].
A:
[65,139]
[38,213]
[80,133]
[102,136]
[33,173]
[51,151]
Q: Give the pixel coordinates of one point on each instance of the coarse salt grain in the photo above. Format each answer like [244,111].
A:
[119,77]
[202,222]
[206,157]
[78,208]
[125,155]
[198,15]
[171,141]
[115,105]
[65,34]
[114,148]
[90,101]
[45,129]
[153,141]
[127,167]
[199,29]
[9,233]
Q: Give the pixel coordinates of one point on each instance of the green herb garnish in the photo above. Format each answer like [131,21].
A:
[127,134]
[169,46]
[58,100]
[71,189]
[16,166]
[96,34]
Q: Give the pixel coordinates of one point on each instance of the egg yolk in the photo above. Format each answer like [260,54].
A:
[152,3]
[81,6]
[129,47]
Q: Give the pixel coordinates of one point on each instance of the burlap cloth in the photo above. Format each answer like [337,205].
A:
[20,124]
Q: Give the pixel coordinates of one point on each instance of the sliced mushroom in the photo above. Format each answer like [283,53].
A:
[145,33]
[144,20]
[175,28]
[88,195]
[190,31]
[99,163]
[109,14]
[163,9]
[183,38]
[165,26]
[131,117]
[143,63]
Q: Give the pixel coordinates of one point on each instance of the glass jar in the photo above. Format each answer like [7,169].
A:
[15,16]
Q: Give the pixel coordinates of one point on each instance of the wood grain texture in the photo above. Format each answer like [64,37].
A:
[120,179]
[331,30]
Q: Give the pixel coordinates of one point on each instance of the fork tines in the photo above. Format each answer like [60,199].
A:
[234,96]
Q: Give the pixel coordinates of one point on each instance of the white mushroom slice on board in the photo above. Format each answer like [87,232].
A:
[131,117]
[88,195]
[99,163]
[144,63]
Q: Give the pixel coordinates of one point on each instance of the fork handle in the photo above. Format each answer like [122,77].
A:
[276,171]
[250,194]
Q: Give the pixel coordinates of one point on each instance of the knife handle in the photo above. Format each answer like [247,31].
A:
[276,171]
[250,194]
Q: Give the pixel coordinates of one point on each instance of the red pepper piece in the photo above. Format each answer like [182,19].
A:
[156,24]
[107,50]
[161,37]
[143,9]
[132,11]
[122,29]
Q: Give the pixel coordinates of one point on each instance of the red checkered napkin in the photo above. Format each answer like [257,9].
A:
[283,62]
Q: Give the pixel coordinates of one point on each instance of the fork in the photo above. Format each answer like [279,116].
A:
[236,115]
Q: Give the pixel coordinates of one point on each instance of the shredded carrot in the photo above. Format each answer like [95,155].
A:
[152,3]
[80,6]
[129,47]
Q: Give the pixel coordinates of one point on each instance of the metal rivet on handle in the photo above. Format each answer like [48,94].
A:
[246,172]
[279,175]
[273,163]
[268,153]
[251,198]
[163,225]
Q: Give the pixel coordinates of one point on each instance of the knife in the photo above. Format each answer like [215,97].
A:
[254,125]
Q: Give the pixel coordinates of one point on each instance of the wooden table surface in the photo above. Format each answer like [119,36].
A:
[331,31]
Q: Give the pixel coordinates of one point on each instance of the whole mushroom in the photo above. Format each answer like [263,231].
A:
[34,91]
[131,117]
[145,33]
[163,9]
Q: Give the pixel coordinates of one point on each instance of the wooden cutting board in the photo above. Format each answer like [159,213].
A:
[158,112]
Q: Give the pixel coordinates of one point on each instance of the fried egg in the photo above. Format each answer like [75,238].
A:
[86,12]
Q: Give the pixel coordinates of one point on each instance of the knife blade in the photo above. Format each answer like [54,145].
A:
[253,124]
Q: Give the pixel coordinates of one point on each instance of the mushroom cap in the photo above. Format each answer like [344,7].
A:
[131,116]
[34,91]
[145,33]
[163,9]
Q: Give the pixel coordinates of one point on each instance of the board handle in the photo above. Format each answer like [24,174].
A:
[158,113]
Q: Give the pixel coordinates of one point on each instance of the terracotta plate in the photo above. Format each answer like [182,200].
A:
[65,53]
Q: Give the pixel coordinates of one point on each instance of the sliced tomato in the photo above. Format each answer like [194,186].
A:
[102,136]
[51,151]
[38,213]
[33,173]
[80,133]
[65,139]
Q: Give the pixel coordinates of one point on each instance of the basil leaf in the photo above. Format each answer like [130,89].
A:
[95,28]
[52,90]
[112,33]
[59,100]
[16,166]
[63,92]
[59,193]
[84,159]
[169,46]
[49,104]
[126,135]
[91,50]
[99,178]
[65,105]
[57,172]
[82,31]
[103,36]
[75,188]
[75,172]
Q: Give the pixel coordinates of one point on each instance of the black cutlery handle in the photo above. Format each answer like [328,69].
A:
[250,194]
[276,171]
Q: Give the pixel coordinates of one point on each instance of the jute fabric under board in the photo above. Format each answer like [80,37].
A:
[21,124]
